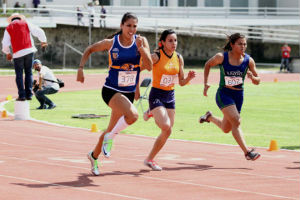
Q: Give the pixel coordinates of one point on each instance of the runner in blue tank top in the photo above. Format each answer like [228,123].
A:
[234,65]
[127,54]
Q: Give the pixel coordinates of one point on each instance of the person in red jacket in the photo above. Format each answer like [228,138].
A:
[285,56]
[18,36]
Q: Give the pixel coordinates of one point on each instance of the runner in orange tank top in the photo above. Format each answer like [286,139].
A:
[167,67]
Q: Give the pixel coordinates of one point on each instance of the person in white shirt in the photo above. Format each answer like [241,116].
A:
[18,35]
[47,85]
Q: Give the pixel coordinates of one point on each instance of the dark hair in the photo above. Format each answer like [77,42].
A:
[231,40]
[125,17]
[15,18]
[164,36]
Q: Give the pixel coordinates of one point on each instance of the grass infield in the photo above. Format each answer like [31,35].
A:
[271,111]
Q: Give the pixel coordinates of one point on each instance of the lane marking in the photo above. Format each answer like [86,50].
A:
[77,160]
[154,178]
[138,160]
[73,188]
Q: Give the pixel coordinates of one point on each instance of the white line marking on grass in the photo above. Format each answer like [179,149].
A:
[73,188]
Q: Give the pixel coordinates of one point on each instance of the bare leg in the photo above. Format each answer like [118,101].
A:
[233,117]
[113,120]
[120,106]
[164,119]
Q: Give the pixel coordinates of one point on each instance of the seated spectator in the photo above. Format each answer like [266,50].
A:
[47,84]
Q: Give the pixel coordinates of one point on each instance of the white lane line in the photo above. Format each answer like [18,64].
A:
[124,146]
[228,172]
[166,180]
[219,188]
[73,188]
[139,160]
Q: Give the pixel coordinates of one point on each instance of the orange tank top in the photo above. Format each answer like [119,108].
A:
[165,71]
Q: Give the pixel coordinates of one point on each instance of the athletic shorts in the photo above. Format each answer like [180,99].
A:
[226,97]
[108,93]
[159,97]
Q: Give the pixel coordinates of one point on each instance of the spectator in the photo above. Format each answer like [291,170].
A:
[47,85]
[18,35]
[17,5]
[91,11]
[285,56]
[102,16]
[79,17]
[36,3]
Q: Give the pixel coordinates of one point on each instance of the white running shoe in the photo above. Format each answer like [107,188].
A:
[107,145]
[94,164]
[153,165]
[147,115]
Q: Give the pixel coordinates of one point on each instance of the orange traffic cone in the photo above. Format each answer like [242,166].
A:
[273,146]
[94,128]
[4,114]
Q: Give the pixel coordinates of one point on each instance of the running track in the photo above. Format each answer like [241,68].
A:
[42,161]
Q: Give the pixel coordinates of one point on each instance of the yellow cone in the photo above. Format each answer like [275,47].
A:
[4,114]
[273,146]
[94,128]
[275,80]
[8,98]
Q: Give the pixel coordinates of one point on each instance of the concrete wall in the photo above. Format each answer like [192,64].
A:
[195,50]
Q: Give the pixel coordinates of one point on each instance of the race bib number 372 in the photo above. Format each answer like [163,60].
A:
[127,78]
[233,80]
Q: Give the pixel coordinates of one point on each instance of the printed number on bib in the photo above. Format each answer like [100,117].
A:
[167,80]
[127,78]
[233,80]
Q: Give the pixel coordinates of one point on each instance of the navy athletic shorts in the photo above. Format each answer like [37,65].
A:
[159,97]
[226,97]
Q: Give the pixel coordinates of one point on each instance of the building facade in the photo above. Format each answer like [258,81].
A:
[166,3]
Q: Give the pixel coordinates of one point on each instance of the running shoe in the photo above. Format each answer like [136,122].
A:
[204,118]
[153,165]
[107,145]
[251,155]
[147,115]
[94,164]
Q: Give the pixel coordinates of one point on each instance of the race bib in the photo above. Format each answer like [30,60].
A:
[127,78]
[233,80]
[167,80]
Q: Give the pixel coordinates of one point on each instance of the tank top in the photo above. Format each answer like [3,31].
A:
[231,75]
[165,71]
[124,66]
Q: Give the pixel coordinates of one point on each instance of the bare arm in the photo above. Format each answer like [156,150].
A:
[214,61]
[143,48]
[183,81]
[252,73]
[99,46]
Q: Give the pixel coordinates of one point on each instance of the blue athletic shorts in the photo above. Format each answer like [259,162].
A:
[226,97]
[159,97]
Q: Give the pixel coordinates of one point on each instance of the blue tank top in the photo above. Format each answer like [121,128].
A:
[124,66]
[233,75]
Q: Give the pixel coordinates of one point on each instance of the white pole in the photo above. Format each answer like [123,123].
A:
[90,41]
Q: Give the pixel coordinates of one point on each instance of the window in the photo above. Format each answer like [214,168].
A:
[239,3]
[104,2]
[187,3]
[153,2]
[214,3]
[267,3]
[130,2]
[163,3]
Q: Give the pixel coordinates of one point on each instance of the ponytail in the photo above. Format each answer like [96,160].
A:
[231,40]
